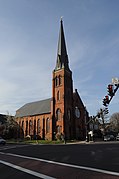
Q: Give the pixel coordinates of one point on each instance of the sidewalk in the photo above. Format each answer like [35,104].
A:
[92,142]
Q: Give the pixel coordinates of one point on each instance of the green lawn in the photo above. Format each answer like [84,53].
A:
[33,141]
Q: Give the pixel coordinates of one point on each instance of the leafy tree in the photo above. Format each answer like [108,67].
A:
[12,129]
[2,128]
[114,122]
[2,124]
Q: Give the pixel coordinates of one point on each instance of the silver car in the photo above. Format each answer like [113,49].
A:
[109,138]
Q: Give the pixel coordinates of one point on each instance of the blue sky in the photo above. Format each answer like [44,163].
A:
[29,32]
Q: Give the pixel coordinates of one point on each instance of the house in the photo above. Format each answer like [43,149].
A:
[63,113]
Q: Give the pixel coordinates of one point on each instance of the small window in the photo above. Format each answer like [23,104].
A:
[58,96]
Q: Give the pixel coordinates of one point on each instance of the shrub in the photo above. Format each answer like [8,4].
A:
[58,136]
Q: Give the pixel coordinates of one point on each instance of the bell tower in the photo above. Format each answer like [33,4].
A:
[62,91]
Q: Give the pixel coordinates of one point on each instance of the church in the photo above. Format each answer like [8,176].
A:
[63,113]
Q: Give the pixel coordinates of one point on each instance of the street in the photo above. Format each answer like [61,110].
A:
[60,161]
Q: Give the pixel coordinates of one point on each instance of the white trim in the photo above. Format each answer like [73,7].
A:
[26,170]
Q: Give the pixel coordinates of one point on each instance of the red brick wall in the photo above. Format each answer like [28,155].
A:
[41,133]
[64,102]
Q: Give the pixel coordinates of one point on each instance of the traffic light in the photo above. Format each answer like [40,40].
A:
[110,90]
[106,111]
[106,101]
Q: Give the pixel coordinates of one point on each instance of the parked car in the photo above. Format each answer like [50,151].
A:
[2,141]
[109,138]
[117,137]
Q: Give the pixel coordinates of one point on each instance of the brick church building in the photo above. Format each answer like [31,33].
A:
[64,112]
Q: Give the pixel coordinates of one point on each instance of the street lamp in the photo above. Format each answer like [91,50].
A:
[85,112]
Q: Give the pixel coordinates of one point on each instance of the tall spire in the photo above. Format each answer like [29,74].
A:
[62,57]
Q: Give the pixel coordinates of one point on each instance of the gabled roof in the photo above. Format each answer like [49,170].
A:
[76,95]
[34,108]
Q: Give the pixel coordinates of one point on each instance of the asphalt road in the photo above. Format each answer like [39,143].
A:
[83,161]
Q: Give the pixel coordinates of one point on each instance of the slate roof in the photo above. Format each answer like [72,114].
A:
[34,108]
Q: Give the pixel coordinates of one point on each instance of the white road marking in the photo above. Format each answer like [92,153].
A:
[11,147]
[39,175]
[64,164]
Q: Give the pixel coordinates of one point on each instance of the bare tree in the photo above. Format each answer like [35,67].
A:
[102,118]
[114,122]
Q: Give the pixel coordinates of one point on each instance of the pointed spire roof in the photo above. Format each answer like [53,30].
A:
[62,57]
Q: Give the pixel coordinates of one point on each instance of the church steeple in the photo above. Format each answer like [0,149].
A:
[62,90]
[62,57]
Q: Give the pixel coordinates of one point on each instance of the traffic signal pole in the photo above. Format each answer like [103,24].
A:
[111,93]
[106,101]
[115,90]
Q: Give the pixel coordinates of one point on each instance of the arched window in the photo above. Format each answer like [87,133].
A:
[34,127]
[23,125]
[30,127]
[60,80]
[58,62]
[58,129]
[47,125]
[58,96]
[58,114]
[69,114]
[26,128]
[68,95]
[56,81]
[38,126]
